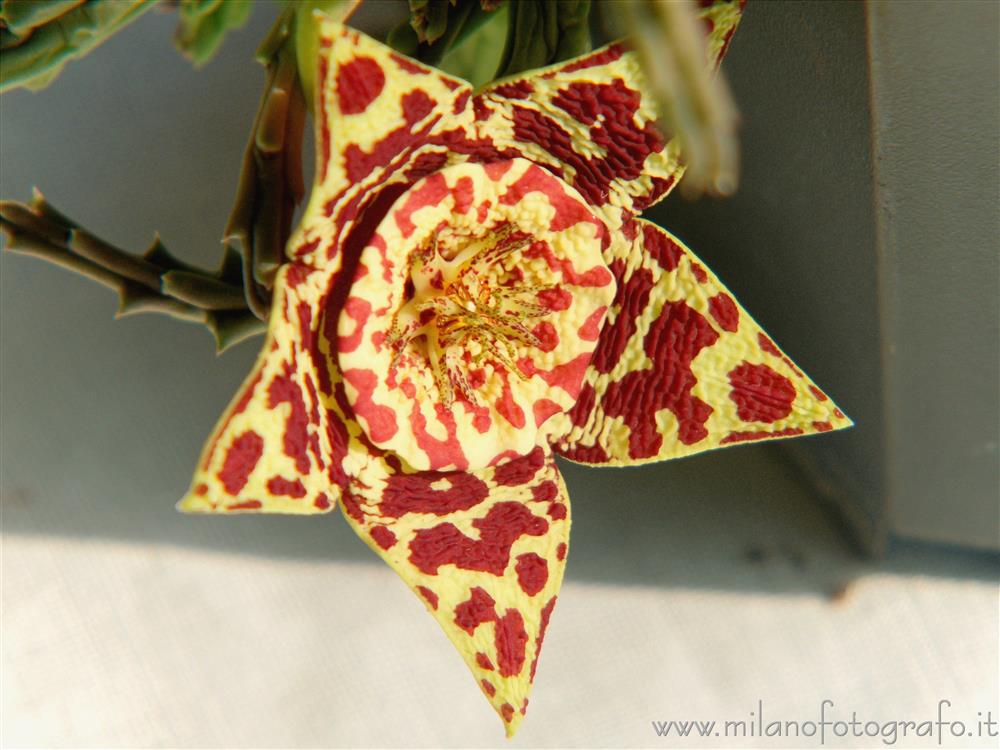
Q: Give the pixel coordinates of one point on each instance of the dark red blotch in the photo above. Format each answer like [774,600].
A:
[444,544]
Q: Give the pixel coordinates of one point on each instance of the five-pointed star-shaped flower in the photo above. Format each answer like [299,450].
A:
[469,293]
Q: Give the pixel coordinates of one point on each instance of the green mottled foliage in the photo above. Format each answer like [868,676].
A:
[38,37]
[203,25]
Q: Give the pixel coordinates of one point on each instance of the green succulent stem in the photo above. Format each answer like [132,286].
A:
[152,282]
[265,196]
[271,183]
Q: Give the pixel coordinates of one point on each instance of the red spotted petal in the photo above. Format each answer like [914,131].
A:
[473,314]
[485,551]
[278,448]
[681,368]
[589,121]
[381,119]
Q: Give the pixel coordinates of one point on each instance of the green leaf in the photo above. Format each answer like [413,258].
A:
[404,39]
[41,37]
[543,32]
[21,17]
[203,25]
[437,27]
[476,56]
[429,18]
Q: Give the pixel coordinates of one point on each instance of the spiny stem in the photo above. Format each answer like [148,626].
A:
[82,243]
[203,291]
[153,282]
[271,182]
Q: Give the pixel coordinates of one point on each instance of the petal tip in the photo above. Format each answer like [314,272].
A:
[841,421]
[194,503]
[511,717]
[511,727]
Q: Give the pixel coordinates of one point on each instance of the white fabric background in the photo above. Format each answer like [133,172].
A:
[111,643]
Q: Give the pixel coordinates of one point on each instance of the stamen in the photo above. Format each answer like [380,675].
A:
[474,320]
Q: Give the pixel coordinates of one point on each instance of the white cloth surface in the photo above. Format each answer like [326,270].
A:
[118,644]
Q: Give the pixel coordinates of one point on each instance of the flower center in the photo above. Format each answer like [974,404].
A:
[473,314]
[473,309]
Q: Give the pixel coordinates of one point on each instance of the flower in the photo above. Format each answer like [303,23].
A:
[469,292]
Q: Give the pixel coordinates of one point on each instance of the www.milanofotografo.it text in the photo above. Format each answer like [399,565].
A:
[831,725]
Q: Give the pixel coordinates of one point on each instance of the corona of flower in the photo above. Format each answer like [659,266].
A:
[469,293]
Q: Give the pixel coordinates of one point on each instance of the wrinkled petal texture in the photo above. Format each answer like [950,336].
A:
[381,120]
[275,450]
[587,121]
[284,444]
[681,368]
[485,281]
[485,551]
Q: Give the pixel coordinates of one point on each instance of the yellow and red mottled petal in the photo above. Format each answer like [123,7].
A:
[721,17]
[278,448]
[681,368]
[380,118]
[383,121]
[511,258]
[589,121]
[485,551]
